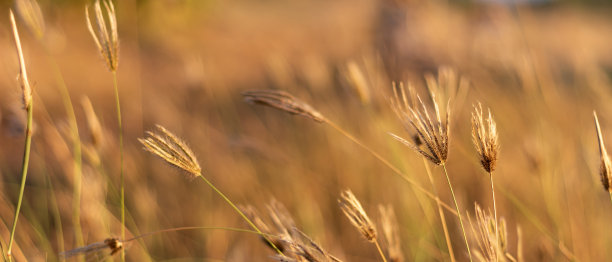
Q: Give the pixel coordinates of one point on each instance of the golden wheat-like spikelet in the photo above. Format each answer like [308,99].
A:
[355,213]
[26,89]
[484,135]
[173,150]
[30,14]
[431,131]
[283,101]
[106,37]
[390,232]
[605,170]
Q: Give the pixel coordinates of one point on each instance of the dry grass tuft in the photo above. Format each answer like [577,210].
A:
[390,231]
[484,135]
[431,132]
[107,41]
[358,217]
[605,171]
[493,245]
[172,150]
[283,101]
[304,249]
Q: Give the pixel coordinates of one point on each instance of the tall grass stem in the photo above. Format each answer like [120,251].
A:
[467,244]
[441,212]
[122,184]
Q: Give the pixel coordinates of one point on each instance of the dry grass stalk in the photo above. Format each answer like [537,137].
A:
[390,232]
[26,89]
[172,150]
[431,132]
[605,170]
[493,244]
[352,209]
[30,14]
[283,101]
[106,37]
[484,135]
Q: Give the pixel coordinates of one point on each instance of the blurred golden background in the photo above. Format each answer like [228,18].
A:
[542,67]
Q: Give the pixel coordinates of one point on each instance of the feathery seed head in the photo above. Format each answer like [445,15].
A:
[26,90]
[30,14]
[484,135]
[173,150]
[352,209]
[106,37]
[605,170]
[283,101]
[430,131]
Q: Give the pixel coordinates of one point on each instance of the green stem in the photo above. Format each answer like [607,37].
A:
[467,244]
[122,184]
[24,173]
[241,214]
[382,255]
[441,212]
[497,247]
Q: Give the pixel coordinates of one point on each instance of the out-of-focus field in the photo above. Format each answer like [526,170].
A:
[542,69]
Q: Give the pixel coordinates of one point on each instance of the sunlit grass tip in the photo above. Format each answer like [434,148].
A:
[105,37]
[172,149]
[485,138]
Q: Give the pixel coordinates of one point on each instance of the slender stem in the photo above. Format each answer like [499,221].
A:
[382,255]
[24,174]
[441,212]
[497,248]
[467,244]
[122,185]
[610,196]
[191,228]
[390,166]
[241,214]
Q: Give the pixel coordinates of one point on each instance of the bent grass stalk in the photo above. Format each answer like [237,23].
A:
[118,244]
[175,152]
[393,168]
[284,101]
[27,102]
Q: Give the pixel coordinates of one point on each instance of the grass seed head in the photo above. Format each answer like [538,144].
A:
[105,37]
[484,136]
[173,150]
[355,213]
[23,75]
[430,130]
[283,101]
[605,170]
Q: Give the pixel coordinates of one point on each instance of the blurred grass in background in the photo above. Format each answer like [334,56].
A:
[542,68]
